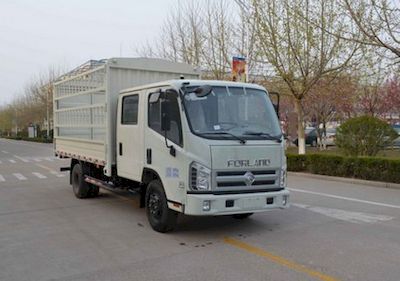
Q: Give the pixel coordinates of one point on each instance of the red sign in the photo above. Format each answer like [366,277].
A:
[239,69]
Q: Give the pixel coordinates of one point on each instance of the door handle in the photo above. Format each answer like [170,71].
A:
[120,148]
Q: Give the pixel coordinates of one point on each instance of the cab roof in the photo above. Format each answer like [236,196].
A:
[178,83]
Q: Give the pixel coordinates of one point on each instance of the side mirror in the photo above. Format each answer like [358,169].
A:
[165,116]
[154,97]
[203,91]
[277,101]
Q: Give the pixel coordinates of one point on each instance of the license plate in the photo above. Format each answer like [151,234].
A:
[253,203]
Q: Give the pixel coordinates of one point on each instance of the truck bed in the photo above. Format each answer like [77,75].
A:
[85,103]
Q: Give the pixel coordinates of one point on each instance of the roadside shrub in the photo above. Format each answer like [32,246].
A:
[364,135]
[297,163]
[367,168]
[44,140]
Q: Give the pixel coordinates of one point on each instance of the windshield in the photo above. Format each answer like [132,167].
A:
[231,112]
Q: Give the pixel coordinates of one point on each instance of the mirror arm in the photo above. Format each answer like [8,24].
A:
[278,97]
[172,150]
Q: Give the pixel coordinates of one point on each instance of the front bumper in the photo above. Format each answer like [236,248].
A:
[242,203]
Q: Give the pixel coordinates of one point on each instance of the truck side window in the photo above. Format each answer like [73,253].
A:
[175,134]
[130,110]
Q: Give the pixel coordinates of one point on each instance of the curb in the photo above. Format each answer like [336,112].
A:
[349,180]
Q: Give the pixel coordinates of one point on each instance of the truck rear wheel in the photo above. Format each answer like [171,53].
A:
[79,186]
[161,218]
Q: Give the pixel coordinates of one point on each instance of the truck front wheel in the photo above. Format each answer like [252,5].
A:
[161,218]
[79,186]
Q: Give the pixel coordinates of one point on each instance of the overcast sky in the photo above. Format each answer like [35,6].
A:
[38,34]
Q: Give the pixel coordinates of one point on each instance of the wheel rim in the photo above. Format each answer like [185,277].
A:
[155,206]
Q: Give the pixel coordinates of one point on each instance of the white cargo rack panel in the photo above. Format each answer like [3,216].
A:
[85,104]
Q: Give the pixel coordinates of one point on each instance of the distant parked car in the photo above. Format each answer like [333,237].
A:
[396,142]
[311,137]
[330,136]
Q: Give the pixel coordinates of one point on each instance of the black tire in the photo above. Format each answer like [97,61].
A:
[161,218]
[242,216]
[79,186]
[314,143]
[94,191]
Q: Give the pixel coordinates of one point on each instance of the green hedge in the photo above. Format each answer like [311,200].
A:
[367,168]
[44,140]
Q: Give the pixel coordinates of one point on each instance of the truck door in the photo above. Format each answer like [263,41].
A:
[130,138]
[170,166]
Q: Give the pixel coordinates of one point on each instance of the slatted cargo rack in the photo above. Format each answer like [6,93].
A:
[85,102]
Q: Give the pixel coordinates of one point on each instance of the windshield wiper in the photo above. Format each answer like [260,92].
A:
[265,135]
[242,141]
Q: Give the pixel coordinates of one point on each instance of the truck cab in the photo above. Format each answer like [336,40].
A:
[201,148]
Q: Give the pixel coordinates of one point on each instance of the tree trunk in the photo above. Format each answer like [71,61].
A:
[300,127]
[324,136]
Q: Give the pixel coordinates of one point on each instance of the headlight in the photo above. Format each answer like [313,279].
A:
[283,177]
[200,177]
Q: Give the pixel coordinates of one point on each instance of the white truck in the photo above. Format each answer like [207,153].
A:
[190,146]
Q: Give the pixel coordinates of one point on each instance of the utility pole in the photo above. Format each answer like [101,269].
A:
[47,111]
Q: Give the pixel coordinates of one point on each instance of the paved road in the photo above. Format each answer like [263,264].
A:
[333,231]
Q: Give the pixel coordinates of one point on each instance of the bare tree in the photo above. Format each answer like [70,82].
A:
[34,105]
[292,38]
[6,120]
[326,100]
[378,21]
[219,39]
[202,34]
[181,37]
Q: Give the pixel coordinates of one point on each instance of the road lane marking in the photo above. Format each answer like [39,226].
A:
[58,175]
[4,151]
[12,161]
[345,198]
[39,175]
[22,159]
[19,176]
[2,178]
[37,160]
[277,259]
[45,167]
[49,159]
[354,217]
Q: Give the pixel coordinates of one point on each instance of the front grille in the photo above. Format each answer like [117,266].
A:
[237,179]
[233,183]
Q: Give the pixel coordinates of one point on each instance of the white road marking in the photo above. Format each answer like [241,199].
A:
[19,176]
[11,160]
[49,159]
[37,160]
[2,178]
[345,198]
[39,175]
[57,174]
[22,159]
[355,217]
[4,152]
